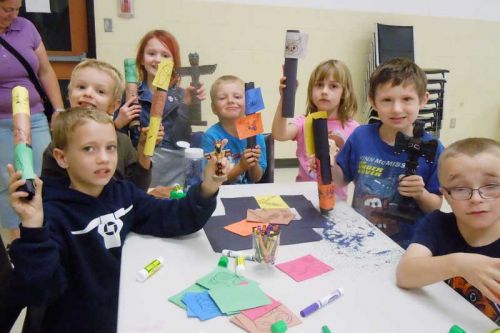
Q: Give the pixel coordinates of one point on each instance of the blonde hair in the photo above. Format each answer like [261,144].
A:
[341,74]
[469,147]
[104,67]
[221,80]
[67,122]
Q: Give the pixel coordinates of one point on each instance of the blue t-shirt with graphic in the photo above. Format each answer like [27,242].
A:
[375,169]
[236,147]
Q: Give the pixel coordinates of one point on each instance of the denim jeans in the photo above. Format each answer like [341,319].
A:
[40,139]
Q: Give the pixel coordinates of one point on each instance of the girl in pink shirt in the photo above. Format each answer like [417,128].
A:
[330,89]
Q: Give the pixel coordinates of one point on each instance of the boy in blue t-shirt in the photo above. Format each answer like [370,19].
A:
[228,104]
[462,247]
[398,90]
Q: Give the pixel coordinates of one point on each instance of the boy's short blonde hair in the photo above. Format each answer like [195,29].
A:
[469,147]
[105,68]
[398,71]
[67,121]
[221,80]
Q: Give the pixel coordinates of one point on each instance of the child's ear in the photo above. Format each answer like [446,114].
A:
[60,157]
[445,194]
[424,99]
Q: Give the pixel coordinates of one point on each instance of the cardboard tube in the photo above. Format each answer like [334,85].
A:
[21,123]
[159,99]
[324,172]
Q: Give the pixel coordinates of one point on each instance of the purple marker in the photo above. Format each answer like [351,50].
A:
[322,302]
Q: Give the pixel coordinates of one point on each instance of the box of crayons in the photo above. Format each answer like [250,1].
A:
[266,239]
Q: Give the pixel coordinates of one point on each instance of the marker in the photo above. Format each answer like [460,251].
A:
[236,254]
[325,329]
[150,269]
[322,302]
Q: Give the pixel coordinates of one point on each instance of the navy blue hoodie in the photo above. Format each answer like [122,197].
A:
[72,263]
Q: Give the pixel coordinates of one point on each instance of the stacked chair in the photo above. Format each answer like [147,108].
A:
[390,41]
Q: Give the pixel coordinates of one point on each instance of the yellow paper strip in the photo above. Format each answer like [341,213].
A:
[154,127]
[162,77]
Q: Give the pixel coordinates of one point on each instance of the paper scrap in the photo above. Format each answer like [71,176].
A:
[304,268]
[270,201]
[243,228]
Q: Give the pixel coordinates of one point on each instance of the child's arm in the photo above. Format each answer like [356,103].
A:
[414,187]
[419,268]
[283,128]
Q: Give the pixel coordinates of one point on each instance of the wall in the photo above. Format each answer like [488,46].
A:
[247,40]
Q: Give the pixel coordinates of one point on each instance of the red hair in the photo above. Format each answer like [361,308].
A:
[167,39]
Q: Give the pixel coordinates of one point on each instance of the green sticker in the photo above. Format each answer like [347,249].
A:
[23,155]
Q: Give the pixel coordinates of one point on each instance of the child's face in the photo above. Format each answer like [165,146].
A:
[326,95]
[90,157]
[154,52]
[462,171]
[229,101]
[398,106]
[93,88]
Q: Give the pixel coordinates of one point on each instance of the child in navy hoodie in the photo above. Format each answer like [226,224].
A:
[68,256]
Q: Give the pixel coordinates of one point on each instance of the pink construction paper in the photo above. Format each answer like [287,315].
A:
[304,268]
[261,310]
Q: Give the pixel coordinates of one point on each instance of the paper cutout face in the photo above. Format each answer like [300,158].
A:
[250,125]
[164,73]
[296,45]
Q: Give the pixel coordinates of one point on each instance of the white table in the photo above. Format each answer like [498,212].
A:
[371,303]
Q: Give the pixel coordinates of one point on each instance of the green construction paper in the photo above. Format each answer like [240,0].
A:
[222,277]
[23,155]
[236,298]
[130,71]
[177,298]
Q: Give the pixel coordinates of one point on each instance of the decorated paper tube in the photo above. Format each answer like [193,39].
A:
[295,47]
[21,124]
[251,141]
[161,82]
[131,86]
[324,172]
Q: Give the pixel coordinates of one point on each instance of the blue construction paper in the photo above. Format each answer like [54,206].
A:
[202,305]
[300,231]
[253,101]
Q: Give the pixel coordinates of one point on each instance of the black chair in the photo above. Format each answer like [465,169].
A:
[268,176]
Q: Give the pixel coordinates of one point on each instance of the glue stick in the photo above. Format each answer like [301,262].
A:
[240,265]
[150,269]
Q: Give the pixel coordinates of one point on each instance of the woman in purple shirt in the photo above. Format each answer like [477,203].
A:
[23,36]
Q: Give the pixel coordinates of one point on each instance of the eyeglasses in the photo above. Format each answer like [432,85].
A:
[491,191]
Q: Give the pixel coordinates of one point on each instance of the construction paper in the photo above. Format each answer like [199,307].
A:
[258,312]
[177,298]
[222,277]
[304,268]
[253,101]
[236,298]
[163,74]
[270,215]
[249,126]
[243,228]
[263,324]
[235,208]
[308,130]
[270,201]
[202,305]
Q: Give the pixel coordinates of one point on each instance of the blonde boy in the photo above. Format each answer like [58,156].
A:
[462,247]
[68,256]
[228,104]
[97,84]
[398,89]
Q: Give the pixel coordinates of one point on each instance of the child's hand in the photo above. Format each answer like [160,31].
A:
[215,174]
[411,186]
[127,113]
[190,91]
[283,83]
[249,158]
[30,211]
[482,272]
[333,150]
[312,167]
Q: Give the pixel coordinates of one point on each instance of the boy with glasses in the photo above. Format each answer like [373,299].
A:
[462,247]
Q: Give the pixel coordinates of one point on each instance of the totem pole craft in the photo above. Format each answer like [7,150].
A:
[323,167]
[23,152]
[415,147]
[251,124]
[295,47]
[131,90]
[195,71]
[161,82]
[218,154]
